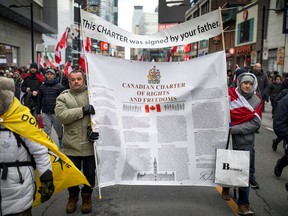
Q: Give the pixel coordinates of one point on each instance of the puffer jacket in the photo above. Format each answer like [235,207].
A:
[68,110]
[47,94]
[243,135]
[17,191]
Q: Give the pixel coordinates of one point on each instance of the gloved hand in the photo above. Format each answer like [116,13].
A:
[46,190]
[88,109]
[92,136]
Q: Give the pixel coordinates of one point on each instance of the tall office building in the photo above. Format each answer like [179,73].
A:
[137,14]
[108,10]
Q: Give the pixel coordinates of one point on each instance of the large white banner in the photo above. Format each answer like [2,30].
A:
[197,29]
[159,122]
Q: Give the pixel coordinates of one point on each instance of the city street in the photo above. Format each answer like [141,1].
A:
[269,200]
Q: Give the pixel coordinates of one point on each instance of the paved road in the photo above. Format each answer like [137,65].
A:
[269,200]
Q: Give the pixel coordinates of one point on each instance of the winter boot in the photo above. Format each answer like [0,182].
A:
[72,203]
[281,163]
[225,194]
[86,203]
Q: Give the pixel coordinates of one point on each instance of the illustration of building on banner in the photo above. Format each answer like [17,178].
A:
[154,76]
[155,176]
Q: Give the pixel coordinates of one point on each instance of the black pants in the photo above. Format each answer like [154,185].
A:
[88,166]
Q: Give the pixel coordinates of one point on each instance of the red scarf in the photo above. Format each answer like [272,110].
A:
[39,76]
[240,110]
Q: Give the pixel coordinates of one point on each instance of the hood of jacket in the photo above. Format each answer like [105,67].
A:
[7,91]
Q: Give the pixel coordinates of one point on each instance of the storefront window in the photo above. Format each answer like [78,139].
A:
[8,55]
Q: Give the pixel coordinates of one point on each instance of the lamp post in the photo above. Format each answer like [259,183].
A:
[32,24]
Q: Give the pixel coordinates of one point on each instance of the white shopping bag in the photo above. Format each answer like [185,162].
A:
[232,167]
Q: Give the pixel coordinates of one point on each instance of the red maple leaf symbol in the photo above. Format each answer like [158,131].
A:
[152,107]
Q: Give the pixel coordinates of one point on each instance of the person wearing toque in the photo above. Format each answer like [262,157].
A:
[30,86]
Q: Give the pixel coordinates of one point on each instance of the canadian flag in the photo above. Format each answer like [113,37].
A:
[67,69]
[88,44]
[173,50]
[152,108]
[41,62]
[61,45]
[82,62]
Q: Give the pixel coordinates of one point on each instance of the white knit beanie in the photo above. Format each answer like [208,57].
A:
[246,78]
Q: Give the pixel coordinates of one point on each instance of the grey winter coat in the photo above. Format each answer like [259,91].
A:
[243,135]
[68,110]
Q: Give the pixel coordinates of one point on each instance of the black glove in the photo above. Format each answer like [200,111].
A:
[92,136]
[46,190]
[88,110]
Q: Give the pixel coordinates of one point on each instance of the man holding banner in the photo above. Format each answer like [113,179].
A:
[17,173]
[73,111]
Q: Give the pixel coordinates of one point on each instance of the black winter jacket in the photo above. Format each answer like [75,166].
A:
[263,84]
[48,92]
[280,121]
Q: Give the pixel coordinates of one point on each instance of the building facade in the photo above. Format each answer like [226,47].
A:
[16,34]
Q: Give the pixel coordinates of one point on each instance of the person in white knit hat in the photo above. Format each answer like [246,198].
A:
[245,113]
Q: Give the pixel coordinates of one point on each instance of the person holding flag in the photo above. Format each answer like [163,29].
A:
[73,110]
[246,114]
[17,184]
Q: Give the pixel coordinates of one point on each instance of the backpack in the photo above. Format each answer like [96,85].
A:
[5,165]
[20,142]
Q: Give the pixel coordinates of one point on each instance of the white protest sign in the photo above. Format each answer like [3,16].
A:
[197,29]
[159,122]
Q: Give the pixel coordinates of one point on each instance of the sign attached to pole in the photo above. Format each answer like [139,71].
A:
[265,50]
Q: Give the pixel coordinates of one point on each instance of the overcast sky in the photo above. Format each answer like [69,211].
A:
[126,7]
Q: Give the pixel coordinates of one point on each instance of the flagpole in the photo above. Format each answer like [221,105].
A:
[92,125]
[222,30]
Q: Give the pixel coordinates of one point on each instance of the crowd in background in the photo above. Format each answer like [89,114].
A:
[18,73]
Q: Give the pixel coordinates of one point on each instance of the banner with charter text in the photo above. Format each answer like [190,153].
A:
[159,122]
[197,29]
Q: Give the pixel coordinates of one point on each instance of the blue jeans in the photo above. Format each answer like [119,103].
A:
[243,196]
[87,164]
[243,192]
